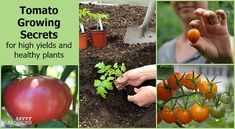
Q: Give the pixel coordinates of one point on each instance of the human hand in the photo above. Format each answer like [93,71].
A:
[144,96]
[136,76]
[214,43]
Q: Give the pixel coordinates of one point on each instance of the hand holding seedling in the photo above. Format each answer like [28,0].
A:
[136,76]
[214,43]
[144,96]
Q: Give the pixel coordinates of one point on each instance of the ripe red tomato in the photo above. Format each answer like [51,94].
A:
[206,87]
[172,81]
[199,113]
[39,98]
[189,81]
[163,92]
[193,35]
[168,116]
[183,116]
[159,118]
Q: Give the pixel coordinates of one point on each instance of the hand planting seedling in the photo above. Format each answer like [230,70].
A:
[198,104]
[193,35]
[108,73]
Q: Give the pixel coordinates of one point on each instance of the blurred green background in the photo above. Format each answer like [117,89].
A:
[168,26]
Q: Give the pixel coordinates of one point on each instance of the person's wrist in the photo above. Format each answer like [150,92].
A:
[153,92]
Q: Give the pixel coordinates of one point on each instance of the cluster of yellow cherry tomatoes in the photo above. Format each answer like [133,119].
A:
[197,111]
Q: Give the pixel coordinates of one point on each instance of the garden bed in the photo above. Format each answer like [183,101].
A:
[115,111]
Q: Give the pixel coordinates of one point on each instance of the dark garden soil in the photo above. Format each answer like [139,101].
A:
[115,111]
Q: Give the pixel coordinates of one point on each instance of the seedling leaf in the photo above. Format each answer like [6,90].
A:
[100,65]
[101,91]
[102,77]
[107,85]
[97,83]
[110,78]
[123,67]
[107,67]
[115,65]
[118,72]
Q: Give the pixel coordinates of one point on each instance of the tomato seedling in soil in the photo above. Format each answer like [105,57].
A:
[109,73]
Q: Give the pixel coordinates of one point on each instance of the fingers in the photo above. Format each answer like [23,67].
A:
[137,90]
[223,17]
[200,47]
[121,82]
[196,24]
[209,17]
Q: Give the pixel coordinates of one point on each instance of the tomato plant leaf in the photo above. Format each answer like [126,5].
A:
[108,85]
[7,78]
[100,65]
[111,72]
[102,77]
[97,83]
[118,73]
[107,67]
[43,71]
[115,65]
[101,91]
[110,78]
[123,67]
[67,70]
[101,71]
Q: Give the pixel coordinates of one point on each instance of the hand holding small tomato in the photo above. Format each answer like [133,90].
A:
[136,76]
[214,43]
[144,96]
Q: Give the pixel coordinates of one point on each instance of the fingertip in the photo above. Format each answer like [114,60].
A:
[130,98]
[137,90]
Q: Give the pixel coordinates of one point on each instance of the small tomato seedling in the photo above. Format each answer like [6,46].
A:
[108,73]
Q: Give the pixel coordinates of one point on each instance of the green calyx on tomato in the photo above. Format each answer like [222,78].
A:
[38,98]
[226,99]
[218,111]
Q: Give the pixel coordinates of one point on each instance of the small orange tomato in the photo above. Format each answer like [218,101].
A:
[172,81]
[159,118]
[190,82]
[199,113]
[193,35]
[168,116]
[205,87]
[163,92]
[183,116]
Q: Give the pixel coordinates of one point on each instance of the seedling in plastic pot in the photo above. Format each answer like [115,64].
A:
[108,73]
[84,15]
[99,17]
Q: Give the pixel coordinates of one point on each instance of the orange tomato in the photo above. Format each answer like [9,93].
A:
[206,87]
[172,81]
[189,81]
[193,35]
[183,116]
[159,118]
[168,116]
[199,113]
[163,92]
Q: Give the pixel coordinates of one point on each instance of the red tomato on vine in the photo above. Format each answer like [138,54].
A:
[164,92]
